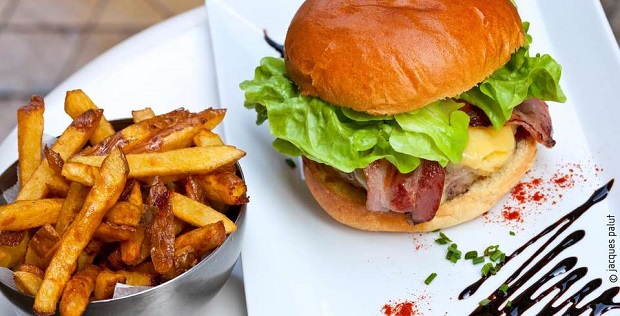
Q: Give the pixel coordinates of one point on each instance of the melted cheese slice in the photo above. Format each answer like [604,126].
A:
[488,149]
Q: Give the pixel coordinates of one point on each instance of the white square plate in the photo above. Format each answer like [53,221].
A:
[298,261]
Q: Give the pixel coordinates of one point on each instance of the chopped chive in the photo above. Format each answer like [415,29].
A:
[453,253]
[442,235]
[502,258]
[509,303]
[471,254]
[496,255]
[430,278]
[442,241]
[512,233]
[484,302]
[477,260]
[290,163]
[496,268]
[504,288]
[486,269]
[490,250]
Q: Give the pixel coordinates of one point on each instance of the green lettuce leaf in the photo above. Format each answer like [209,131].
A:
[347,139]
[523,77]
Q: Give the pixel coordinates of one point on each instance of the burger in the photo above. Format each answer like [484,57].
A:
[410,115]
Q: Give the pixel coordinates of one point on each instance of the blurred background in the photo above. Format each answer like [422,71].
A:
[42,42]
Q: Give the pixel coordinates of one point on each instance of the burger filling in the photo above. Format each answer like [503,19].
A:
[420,192]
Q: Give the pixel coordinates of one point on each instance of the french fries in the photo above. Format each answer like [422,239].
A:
[22,215]
[71,206]
[29,137]
[76,294]
[28,278]
[141,115]
[131,208]
[161,233]
[76,103]
[42,246]
[106,190]
[71,140]
[198,214]
[105,283]
[225,187]
[191,160]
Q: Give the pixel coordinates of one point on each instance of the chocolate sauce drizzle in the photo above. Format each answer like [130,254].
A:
[275,45]
[498,300]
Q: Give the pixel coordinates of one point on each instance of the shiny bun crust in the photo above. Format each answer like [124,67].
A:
[394,56]
[347,203]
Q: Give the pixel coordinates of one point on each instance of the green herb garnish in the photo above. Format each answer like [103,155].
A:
[504,288]
[430,278]
[477,260]
[453,253]
[443,239]
[471,254]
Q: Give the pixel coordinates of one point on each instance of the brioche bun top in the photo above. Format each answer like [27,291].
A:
[394,56]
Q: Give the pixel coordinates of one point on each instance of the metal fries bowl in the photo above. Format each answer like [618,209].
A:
[183,295]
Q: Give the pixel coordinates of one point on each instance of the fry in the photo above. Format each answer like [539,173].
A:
[135,196]
[161,232]
[141,115]
[87,256]
[109,232]
[184,259]
[105,282]
[106,190]
[195,190]
[28,278]
[54,160]
[76,103]
[29,135]
[181,134]
[198,214]
[193,160]
[76,294]
[71,140]
[124,213]
[23,215]
[57,187]
[13,254]
[207,138]
[213,117]
[137,278]
[225,187]
[134,134]
[42,246]
[80,173]
[203,240]
[71,206]
[135,250]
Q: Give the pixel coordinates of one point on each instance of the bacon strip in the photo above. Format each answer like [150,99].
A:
[533,115]
[418,193]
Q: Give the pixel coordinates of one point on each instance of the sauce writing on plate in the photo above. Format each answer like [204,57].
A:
[498,301]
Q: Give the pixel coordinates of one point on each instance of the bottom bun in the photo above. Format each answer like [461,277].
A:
[346,203]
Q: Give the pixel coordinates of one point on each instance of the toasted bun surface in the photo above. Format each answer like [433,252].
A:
[394,56]
[347,203]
